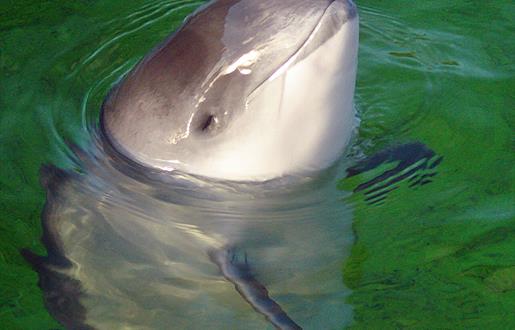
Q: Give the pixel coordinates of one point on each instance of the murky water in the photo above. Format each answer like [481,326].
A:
[431,244]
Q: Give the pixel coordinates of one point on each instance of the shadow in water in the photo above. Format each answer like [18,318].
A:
[415,163]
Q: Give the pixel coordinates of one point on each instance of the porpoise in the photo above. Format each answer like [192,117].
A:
[222,125]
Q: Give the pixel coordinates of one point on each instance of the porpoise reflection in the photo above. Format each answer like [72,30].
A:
[205,177]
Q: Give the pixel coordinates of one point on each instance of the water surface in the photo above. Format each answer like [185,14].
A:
[434,255]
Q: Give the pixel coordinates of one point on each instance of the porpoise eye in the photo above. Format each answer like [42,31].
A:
[206,123]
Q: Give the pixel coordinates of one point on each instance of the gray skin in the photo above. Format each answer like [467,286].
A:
[179,99]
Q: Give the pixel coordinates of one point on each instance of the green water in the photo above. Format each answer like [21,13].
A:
[440,255]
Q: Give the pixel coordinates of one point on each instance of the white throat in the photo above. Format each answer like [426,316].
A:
[300,120]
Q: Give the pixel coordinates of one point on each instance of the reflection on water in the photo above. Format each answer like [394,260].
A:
[137,242]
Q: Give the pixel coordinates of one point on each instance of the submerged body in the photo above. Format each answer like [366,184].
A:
[254,95]
[132,250]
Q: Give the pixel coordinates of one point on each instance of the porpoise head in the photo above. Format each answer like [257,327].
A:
[244,90]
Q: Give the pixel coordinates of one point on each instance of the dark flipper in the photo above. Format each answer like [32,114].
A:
[250,288]
[416,163]
[61,293]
